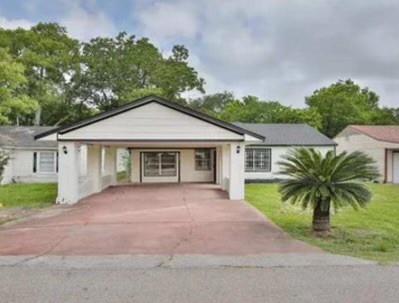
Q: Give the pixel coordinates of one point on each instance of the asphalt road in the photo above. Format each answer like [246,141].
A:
[355,283]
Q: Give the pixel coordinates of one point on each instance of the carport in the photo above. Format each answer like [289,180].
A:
[168,143]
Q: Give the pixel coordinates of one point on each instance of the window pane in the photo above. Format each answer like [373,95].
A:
[257,160]
[249,164]
[46,164]
[151,164]
[168,164]
[203,159]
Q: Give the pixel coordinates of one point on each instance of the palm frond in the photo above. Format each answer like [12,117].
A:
[329,179]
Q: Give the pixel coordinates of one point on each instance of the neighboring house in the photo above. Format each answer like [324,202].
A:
[261,160]
[381,142]
[167,142]
[30,161]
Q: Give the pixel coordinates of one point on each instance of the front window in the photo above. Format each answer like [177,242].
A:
[45,162]
[160,164]
[257,159]
[203,159]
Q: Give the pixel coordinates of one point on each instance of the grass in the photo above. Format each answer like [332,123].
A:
[28,195]
[371,233]
[122,176]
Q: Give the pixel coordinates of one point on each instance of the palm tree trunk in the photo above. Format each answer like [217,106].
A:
[321,220]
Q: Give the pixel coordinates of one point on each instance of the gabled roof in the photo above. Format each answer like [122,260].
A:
[147,100]
[288,134]
[387,133]
[23,136]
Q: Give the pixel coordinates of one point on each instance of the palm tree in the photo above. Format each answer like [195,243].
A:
[321,182]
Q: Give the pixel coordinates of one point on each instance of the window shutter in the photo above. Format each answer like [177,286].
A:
[56,162]
[34,162]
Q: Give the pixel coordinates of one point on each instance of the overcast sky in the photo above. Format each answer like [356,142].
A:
[277,50]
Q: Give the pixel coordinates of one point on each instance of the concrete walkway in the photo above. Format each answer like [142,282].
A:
[186,219]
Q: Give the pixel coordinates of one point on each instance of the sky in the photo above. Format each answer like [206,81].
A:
[274,49]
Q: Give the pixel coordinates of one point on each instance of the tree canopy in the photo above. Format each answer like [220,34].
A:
[345,102]
[71,80]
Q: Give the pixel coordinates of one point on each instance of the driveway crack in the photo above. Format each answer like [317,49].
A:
[186,238]
[46,252]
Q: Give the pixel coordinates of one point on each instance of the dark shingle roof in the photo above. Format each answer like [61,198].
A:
[288,134]
[23,136]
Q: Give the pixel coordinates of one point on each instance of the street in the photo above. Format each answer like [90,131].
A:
[120,283]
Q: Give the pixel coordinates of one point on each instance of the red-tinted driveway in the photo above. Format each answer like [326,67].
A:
[151,219]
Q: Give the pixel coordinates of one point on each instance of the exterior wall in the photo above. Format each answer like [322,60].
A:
[276,155]
[152,122]
[84,170]
[187,166]
[351,141]
[20,168]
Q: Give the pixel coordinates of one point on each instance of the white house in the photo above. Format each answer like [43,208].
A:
[29,161]
[261,159]
[170,143]
[167,142]
[381,142]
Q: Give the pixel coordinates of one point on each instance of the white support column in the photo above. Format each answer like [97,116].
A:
[225,167]
[237,177]
[94,167]
[219,166]
[110,164]
[68,172]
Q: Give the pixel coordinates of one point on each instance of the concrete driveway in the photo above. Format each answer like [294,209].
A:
[152,219]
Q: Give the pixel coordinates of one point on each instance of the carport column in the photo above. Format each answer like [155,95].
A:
[94,167]
[219,166]
[68,172]
[237,177]
[110,163]
[225,166]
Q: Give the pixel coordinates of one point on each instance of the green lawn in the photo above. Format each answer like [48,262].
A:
[371,233]
[28,195]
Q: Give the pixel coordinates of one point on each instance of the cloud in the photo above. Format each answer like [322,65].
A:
[282,49]
[158,22]
[87,23]
[15,23]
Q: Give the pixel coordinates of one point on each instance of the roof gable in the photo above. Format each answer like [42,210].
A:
[120,113]
[386,133]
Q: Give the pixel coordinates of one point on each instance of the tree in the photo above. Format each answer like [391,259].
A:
[14,103]
[321,182]
[50,59]
[343,103]
[214,104]
[253,110]
[116,70]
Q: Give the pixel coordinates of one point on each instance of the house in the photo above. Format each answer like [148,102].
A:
[381,142]
[261,159]
[171,143]
[30,161]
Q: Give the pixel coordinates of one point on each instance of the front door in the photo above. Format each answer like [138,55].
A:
[159,166]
